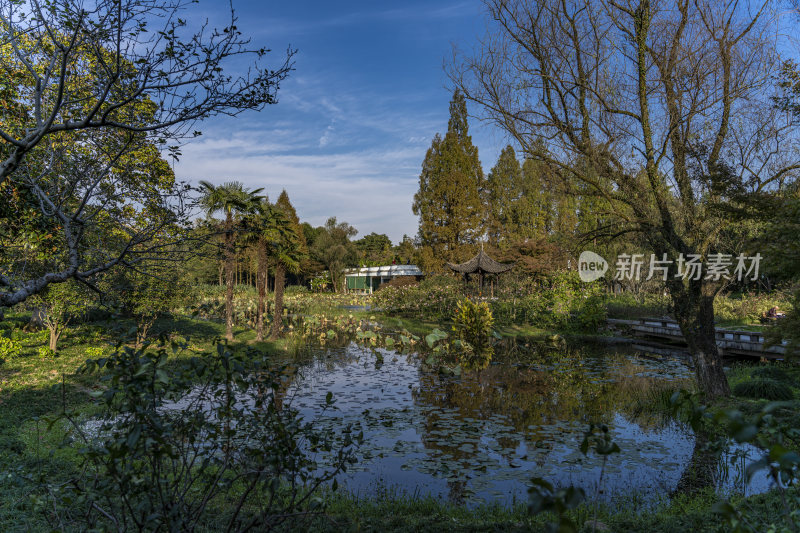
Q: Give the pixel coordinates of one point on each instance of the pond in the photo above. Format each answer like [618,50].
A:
[482,436]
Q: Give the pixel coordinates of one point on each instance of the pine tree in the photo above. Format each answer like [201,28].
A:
[449,198]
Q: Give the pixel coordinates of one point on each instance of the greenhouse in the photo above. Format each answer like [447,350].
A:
[366,280]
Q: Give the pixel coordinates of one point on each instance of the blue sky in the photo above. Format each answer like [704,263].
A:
[355,118]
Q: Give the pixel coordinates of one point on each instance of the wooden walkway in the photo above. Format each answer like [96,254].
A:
[730,342]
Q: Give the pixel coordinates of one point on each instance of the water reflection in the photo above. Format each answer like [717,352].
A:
[481,437]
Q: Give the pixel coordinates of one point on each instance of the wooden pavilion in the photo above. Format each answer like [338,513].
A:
[481,265]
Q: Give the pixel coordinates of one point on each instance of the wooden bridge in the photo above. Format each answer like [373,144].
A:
[730,342]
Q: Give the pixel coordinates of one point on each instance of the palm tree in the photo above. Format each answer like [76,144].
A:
[232,199]
[266,228]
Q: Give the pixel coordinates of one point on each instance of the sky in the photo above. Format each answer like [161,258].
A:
[356,116]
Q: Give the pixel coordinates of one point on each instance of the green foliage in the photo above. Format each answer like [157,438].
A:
[146,296]
[321,282]
[473,324]
[374,249]
[770,434]
[448,201]
[504,192]
[543,497]
[46,353]
[333,249]
[560,301]
[94,352]
[435,298]
[296,290]
[10,349]
[748,308]
[60,305]
[226,456]
[763,389]
[772,372]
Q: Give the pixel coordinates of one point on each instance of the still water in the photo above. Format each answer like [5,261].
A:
[481,437]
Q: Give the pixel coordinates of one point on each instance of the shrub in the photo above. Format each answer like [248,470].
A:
[763,389]
[10,349]
[473,325]
[748,307]
[46,353]
[772,372]
[400,281]
[208,445]
[295,289]
[93,352]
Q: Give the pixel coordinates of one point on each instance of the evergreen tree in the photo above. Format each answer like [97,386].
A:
[504,195]
[535,212]
[289,254]
[449,198]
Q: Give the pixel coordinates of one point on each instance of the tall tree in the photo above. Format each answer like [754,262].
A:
[536,212]
[333,248]
[83,83]
[375,249]
[232,199]
[288,256]
[448,202]
[504,194]
[663,109]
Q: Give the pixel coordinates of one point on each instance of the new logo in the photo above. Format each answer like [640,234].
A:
[591,266]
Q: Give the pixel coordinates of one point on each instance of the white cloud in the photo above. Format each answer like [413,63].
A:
[372,189]
[326,137]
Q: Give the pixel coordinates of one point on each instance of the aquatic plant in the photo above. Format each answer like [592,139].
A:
[473,323]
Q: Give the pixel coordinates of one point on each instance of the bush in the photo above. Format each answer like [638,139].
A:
[473,326]
[763,389]
[10,349]
[205,443]
[772,372]
[295,289]
[46,353]
[748,307]
[94,352]
[400,281]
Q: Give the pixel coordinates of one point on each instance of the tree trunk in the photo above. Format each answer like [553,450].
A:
[221,273]
[277,317]
[229,277]
[694,311]
[54,335]
[261,283]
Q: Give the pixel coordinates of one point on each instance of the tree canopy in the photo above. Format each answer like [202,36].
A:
[92,94]
[448,201]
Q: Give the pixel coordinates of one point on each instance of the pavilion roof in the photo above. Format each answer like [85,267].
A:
[481,262]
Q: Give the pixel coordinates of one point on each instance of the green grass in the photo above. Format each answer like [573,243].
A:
[389,511]
[33,388]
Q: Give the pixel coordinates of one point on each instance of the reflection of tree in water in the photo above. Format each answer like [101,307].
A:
[701,472]
[530,400]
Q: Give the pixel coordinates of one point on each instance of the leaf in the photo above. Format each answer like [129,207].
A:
[133,436]
[746,433]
